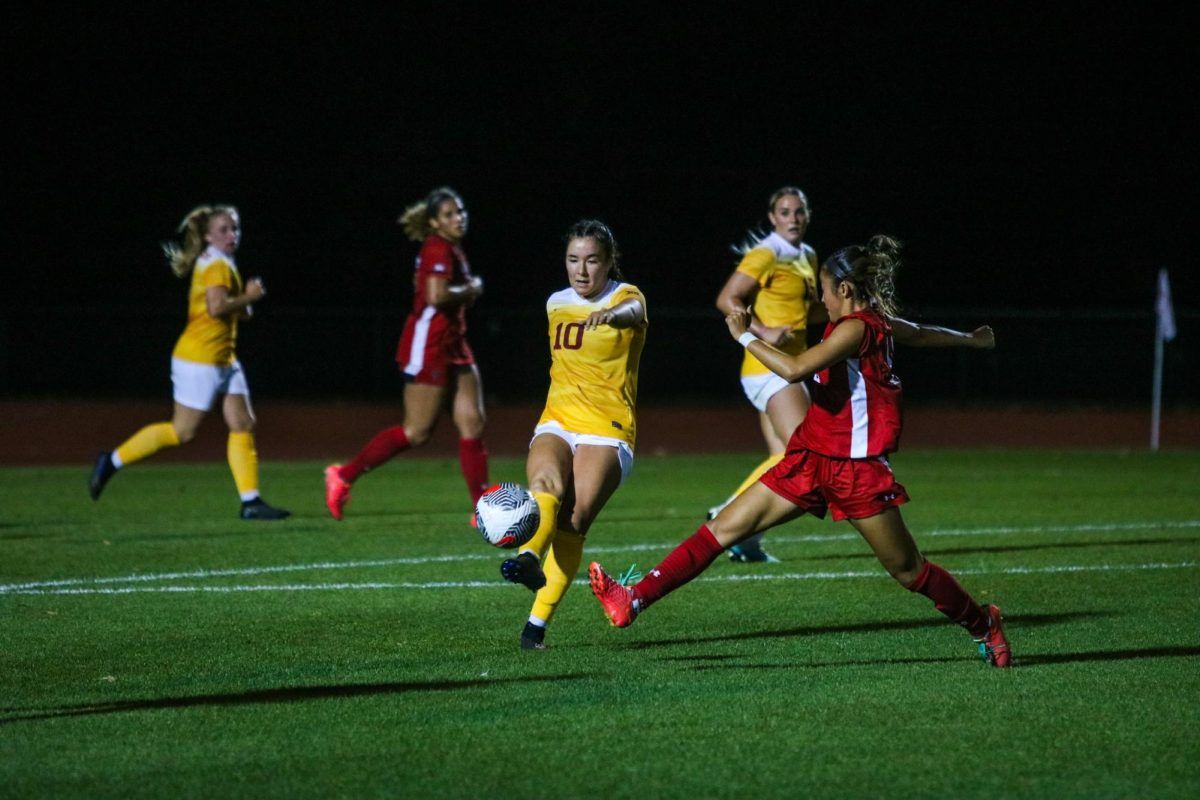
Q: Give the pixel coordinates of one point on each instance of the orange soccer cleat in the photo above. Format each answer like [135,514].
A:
[993,647]
[615,599]
[337,491]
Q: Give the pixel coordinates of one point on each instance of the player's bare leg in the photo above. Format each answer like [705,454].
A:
[422,404]
[754,510]
[896,550]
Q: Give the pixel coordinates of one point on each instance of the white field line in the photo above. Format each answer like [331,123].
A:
[787,576]
[10,588]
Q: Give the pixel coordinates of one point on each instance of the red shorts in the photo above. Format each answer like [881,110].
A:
[851,488]
[430,351]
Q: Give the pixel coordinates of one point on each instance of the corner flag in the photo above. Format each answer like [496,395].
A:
[1164,332]
[1162,307]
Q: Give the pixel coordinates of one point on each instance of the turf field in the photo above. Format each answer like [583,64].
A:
[153,645]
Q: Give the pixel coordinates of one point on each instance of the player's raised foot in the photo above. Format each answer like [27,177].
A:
[751,554]
[615,599]
[533,637]
[257,509]
[337,491]
[525,570]
[993,647]
[101,472]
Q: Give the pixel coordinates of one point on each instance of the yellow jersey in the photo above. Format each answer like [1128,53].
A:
[593,373]
[207,339]
[787,286]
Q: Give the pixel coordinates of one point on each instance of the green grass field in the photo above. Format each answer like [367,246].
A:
[153,645]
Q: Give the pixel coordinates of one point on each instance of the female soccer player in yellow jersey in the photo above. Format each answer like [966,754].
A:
[582,446]
[203,364]
[777,280]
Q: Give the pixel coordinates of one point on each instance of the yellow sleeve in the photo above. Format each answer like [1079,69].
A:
[629,292]
[757,263]
[217,273]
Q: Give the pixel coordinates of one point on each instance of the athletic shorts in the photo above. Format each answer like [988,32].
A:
[197,385]
[851,488]
[761,388]
[624,451]
[429,352]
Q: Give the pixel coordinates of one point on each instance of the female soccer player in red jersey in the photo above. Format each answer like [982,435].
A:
[433,353]
[204,363]
[582,447]
[777,278]
[836,459]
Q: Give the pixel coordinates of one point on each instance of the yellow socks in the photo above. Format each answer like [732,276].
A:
[560,567]
[758,472]
[548,506]
[243,462]
[146,442]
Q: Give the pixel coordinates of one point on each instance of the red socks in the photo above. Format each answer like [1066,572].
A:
[382,446]
[950,598]
[472,457]
[685,562]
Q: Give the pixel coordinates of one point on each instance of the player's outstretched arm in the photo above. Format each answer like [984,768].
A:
[914,334]
[625,314]
[841,344]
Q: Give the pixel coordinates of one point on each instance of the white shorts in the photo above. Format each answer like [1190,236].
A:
[624,451]
[197,385]
[761,388]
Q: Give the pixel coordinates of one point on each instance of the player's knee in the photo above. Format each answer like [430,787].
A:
[547,482]
[184,434]
[729,530]
[470,426]
[904,570]
[418,436]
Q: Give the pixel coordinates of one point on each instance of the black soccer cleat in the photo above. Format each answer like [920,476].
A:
[525,570]
[258,509]
[533,637]
[101,473]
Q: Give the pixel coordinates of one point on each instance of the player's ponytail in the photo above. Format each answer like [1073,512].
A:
[417,218]
[603,235]
[182,260]
[871,270]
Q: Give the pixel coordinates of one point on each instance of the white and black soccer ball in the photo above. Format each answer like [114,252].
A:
[507,515]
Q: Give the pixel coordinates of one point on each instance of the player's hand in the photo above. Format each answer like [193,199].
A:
[598,318]
[983,337]
[778,336]
[738,322]
[255,290]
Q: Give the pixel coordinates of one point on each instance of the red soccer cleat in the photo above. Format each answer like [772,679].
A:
[615,599]
[993,648]
[337,491]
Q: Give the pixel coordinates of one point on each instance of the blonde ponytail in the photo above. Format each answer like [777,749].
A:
[182,260]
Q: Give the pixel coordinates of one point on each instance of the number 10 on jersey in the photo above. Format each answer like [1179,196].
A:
[568,336]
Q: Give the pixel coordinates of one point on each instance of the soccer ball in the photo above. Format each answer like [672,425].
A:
[507,515]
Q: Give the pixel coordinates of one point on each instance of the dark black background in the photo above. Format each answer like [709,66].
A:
[1029,159]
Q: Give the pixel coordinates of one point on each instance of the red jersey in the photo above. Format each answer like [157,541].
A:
[855,409]
[435,338]
[441,259]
